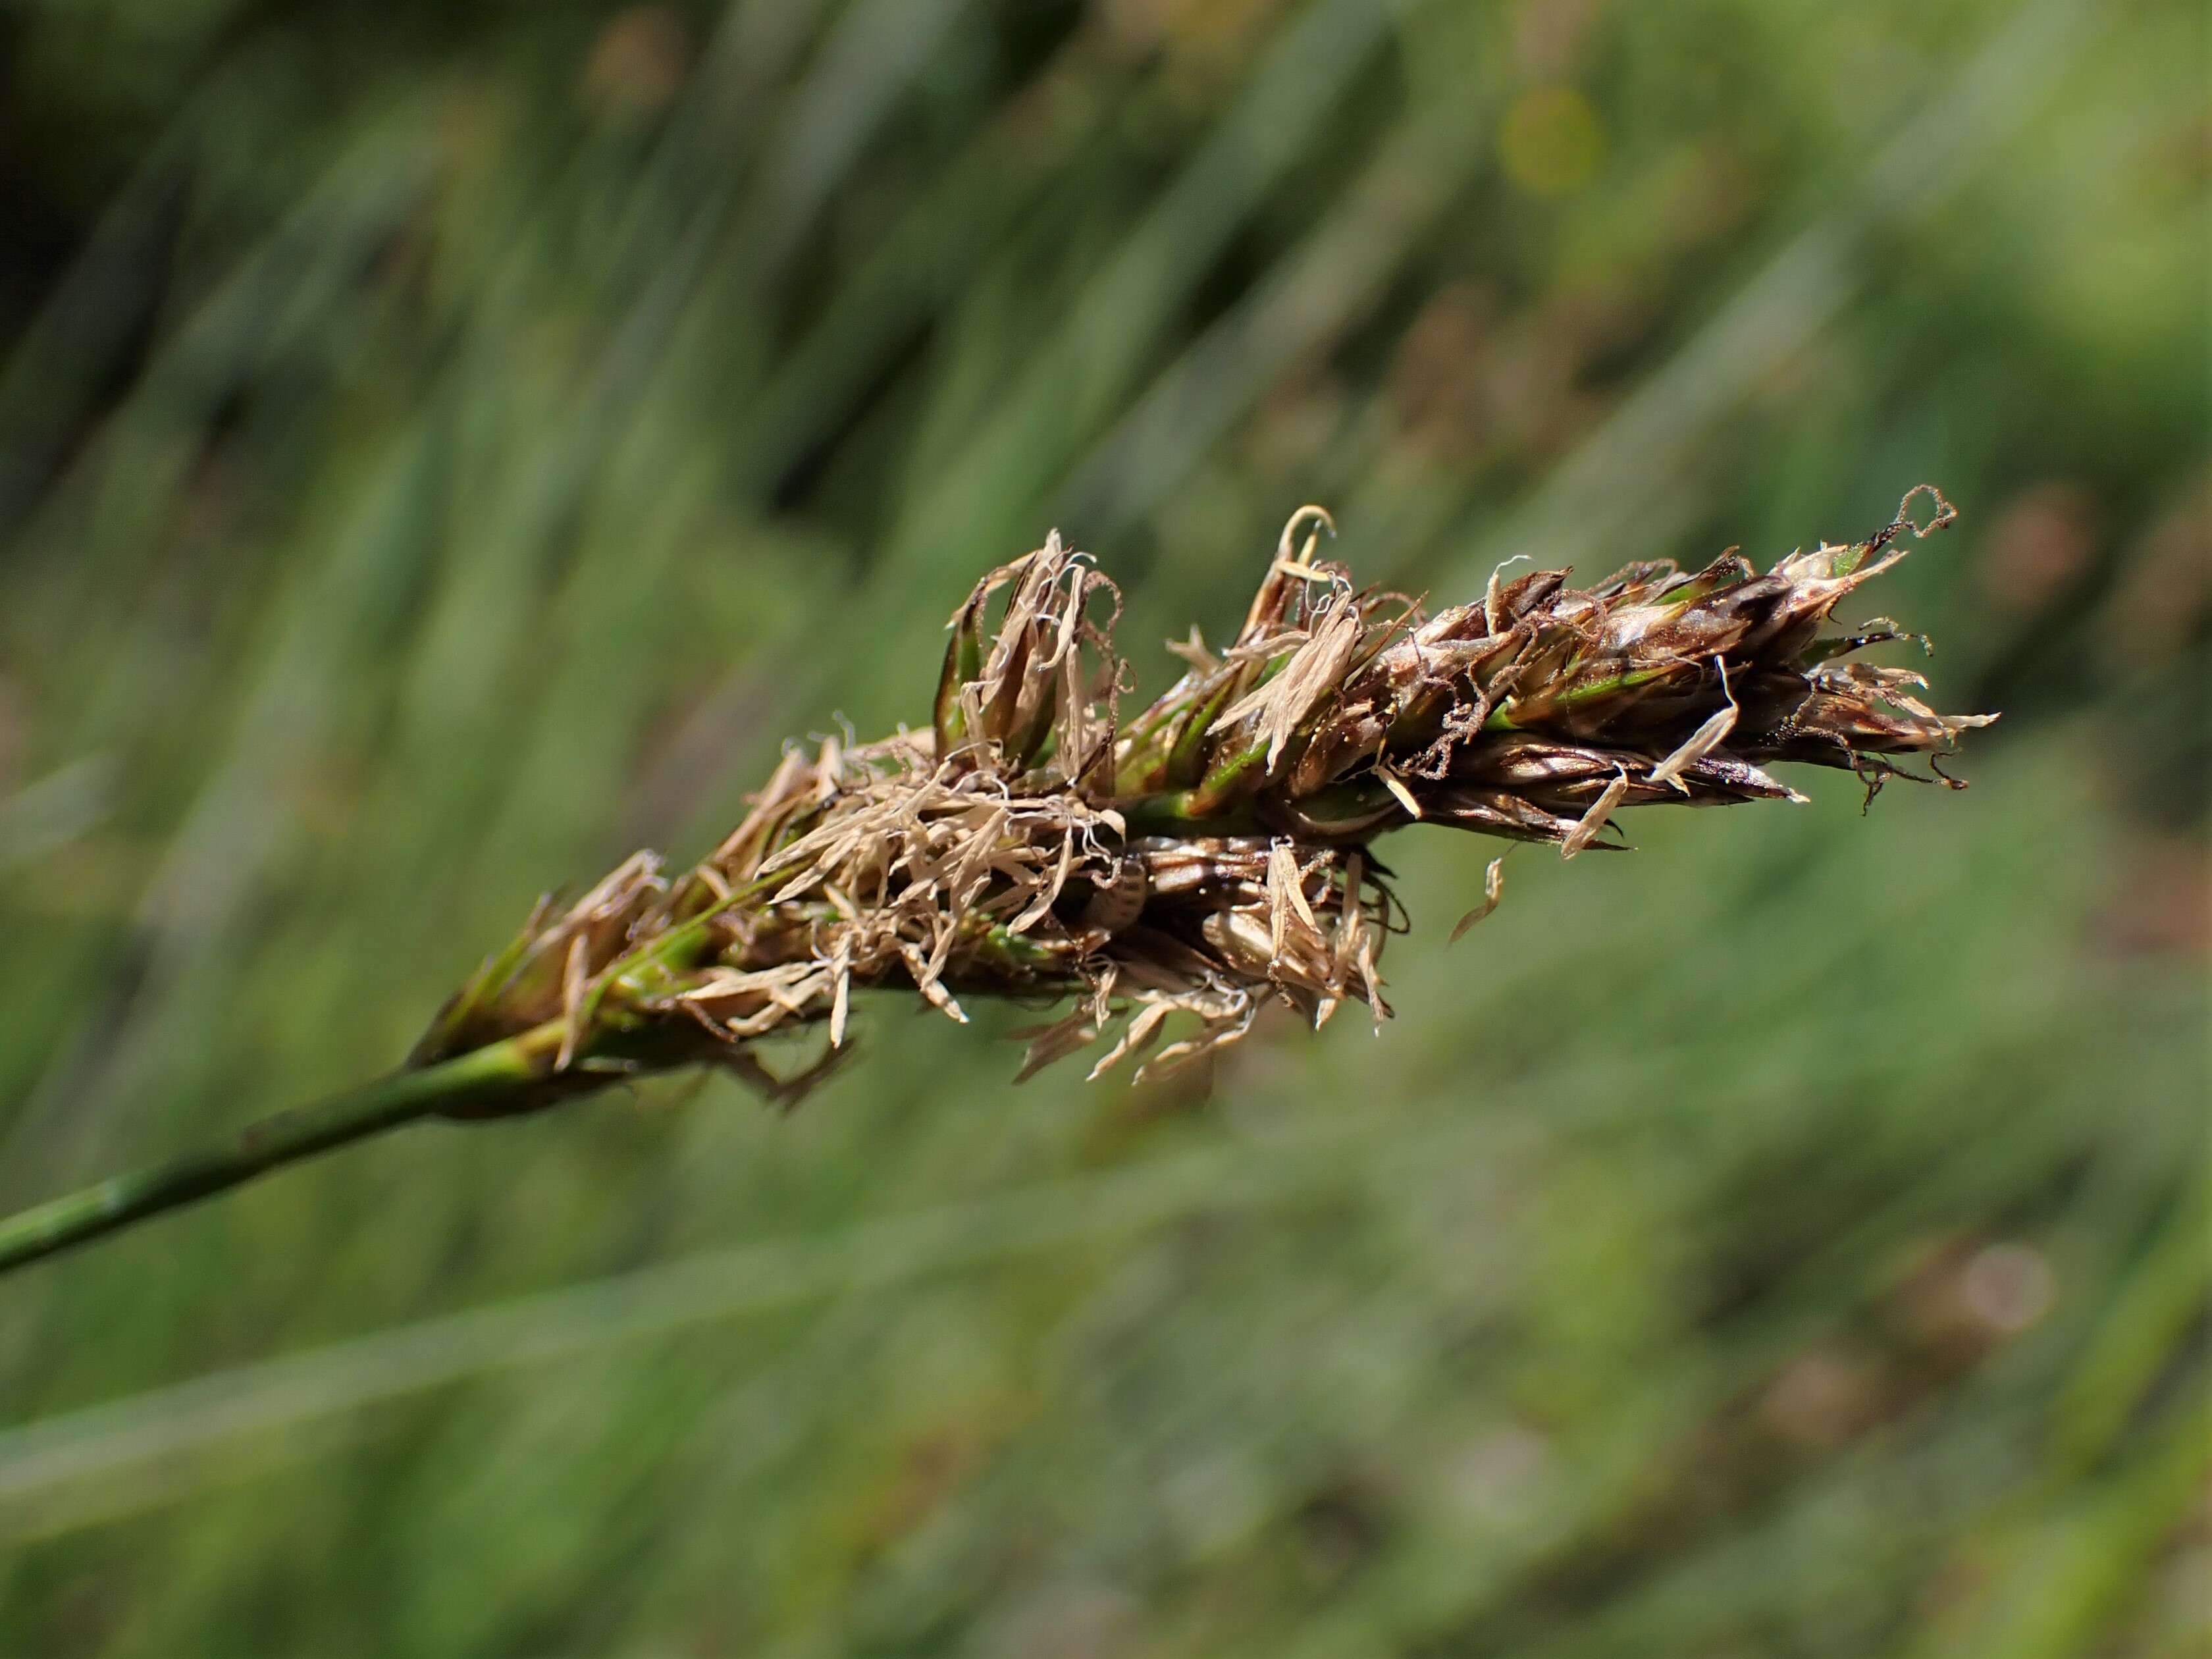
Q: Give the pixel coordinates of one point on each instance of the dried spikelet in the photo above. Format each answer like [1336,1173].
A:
[1209,855]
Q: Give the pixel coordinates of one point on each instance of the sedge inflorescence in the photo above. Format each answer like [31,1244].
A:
[1210,854]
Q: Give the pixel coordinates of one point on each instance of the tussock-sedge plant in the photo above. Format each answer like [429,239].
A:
[1165,875]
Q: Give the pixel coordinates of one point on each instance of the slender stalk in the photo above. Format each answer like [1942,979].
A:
[287,1137]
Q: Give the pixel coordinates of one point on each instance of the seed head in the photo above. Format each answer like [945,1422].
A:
[1212,853]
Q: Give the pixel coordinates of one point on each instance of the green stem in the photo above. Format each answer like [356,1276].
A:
[1184,812]
[286,1137]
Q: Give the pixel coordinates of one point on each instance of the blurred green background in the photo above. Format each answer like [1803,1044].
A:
[443,447]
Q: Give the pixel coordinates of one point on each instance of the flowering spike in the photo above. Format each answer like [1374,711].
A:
[1209,855]
[1206,858]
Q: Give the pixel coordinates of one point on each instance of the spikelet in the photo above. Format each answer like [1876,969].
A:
[1209,855]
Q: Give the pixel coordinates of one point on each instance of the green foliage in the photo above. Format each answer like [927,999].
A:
[442,450]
